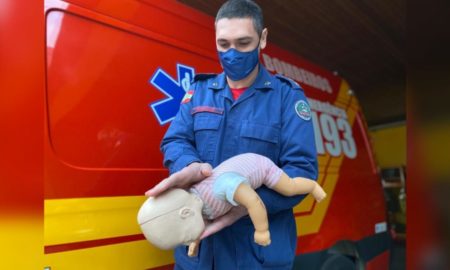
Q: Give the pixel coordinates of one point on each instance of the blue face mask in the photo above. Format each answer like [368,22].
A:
[238,65]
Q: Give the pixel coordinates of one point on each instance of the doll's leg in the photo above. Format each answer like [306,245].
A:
[299,185]
[247,197]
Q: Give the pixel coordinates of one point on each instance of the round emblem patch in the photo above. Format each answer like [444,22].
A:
[302,109]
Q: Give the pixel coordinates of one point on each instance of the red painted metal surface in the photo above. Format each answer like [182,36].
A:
[380,262]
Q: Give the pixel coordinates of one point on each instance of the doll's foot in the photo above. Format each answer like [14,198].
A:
[262,238]
[318,193]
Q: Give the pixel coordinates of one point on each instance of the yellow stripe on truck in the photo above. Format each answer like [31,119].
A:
[130,255]
[84,219]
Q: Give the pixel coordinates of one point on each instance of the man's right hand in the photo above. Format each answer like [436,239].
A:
[224,221]
[185,178]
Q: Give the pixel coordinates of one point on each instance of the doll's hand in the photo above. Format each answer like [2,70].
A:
[193,248]
[262,238]
[318,193]
[189,175]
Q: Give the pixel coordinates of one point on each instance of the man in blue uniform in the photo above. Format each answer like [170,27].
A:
[244,109]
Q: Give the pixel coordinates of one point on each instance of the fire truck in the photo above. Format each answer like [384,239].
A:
[115,73]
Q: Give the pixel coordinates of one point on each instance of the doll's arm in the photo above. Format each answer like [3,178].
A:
[193,248]
[247,197]
[299,185]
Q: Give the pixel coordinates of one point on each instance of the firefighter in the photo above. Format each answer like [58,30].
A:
[244,109]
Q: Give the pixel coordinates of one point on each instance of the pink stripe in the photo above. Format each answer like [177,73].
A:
[206,109]
[257,169]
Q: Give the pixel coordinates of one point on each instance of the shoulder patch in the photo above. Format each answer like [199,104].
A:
[187,97]
[303,110]
[203,76]
[289,81]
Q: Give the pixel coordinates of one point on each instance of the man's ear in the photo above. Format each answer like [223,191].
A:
[263,41]
[185,212]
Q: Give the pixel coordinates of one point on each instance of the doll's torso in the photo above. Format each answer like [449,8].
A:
[256,169]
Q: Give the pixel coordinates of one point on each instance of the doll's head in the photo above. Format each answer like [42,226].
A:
[172,218]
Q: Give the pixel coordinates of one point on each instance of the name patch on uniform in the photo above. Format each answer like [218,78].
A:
[206,109]
[302,109]
[187,97]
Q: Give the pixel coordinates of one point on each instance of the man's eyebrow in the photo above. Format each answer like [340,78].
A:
[241,39]
[222,40]
[245,39]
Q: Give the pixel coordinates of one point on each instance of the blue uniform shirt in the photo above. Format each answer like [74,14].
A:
[270,118]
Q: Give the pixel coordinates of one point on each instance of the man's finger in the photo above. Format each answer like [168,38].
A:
[211,229]
[162,186]
[224,221]
[206,169]
[182,179]
[156,190]
[178,179]
[216,226]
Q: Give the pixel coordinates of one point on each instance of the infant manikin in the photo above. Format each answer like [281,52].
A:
[177,216]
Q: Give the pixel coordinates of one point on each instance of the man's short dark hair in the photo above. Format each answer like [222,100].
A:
[242,9]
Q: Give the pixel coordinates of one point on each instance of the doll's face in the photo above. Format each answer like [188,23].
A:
[172,219]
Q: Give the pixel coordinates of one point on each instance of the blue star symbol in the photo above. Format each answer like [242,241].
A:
[166,109]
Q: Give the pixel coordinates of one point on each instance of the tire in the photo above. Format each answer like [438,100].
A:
[338,262]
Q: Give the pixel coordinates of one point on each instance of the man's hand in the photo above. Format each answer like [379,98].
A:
[188,176]
[224,221]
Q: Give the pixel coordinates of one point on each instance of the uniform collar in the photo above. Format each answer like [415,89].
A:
[264,80]
[218,82]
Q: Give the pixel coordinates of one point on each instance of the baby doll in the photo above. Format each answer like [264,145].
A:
[177,216]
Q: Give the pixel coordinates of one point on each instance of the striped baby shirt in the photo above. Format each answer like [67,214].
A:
[217,191]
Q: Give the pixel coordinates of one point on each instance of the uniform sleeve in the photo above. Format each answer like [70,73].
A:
[178,144]
[298,155]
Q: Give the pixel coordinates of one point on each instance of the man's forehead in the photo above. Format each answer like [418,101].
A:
[235,28]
